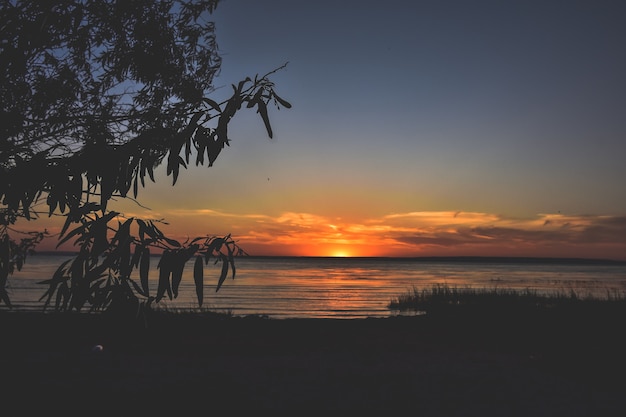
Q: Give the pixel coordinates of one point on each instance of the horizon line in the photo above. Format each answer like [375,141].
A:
[450,258]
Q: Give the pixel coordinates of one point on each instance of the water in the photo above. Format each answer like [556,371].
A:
[346,287]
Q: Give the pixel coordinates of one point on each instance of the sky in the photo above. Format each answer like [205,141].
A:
[418,128]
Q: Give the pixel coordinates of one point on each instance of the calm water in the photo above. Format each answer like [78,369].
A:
[346,287]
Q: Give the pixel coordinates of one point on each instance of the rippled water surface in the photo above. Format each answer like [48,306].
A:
[347,287]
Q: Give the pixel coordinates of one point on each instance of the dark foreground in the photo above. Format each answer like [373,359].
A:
[549,364]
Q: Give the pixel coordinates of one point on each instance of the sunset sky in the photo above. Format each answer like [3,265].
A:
[418,128]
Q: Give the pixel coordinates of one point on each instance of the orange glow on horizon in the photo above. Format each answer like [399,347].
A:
[412,234]
[343,250]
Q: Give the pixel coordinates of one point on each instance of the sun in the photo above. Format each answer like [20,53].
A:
[340,254]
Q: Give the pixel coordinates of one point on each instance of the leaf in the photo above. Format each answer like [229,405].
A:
[145,229]
[123,232]
[4,295]
[57,278]
[222,275]
[172,168]
[76,190]
[172,242]
[187,150]
[155,231]
[164,267]
[68,221]
[98,231]
[52,202]
[198,278]
[123,181]
[283,102]
[262,110]
[255,99]
[144,268]
[214,246]
[107,184]
[177,272]
[242,83]
[61,300]
[136,256]
[138,288]
[213,104]
[194,120]
[79,230]
[231,260]
[136,185]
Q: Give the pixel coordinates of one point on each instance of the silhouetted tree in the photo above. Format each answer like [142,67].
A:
[95,95]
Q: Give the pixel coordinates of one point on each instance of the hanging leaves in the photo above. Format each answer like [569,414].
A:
[96,99]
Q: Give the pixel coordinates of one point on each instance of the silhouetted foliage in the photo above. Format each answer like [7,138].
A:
[95,96]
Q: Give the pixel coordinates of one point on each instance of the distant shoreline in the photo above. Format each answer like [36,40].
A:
[445,259]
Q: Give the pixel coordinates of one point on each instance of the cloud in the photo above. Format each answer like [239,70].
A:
[433,218]
[413,233]
[542,231]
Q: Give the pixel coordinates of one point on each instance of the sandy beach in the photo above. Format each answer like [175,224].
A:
[459,365]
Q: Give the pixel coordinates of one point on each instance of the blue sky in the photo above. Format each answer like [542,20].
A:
[419,128]
[516,107]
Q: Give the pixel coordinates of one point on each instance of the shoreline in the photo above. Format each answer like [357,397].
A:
[455,364]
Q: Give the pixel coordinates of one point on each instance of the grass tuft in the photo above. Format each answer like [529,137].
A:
[442,297]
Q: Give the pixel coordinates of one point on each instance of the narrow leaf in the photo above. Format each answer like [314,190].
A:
[262,110]
[79,230]
[138,288]
[144,268]
[222,275]
[194,120]
[242,83]
[172,242]
[283,102]
[164,277]
[198,278]
[177,273]
[68,221]
[4,296]
[213,104]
